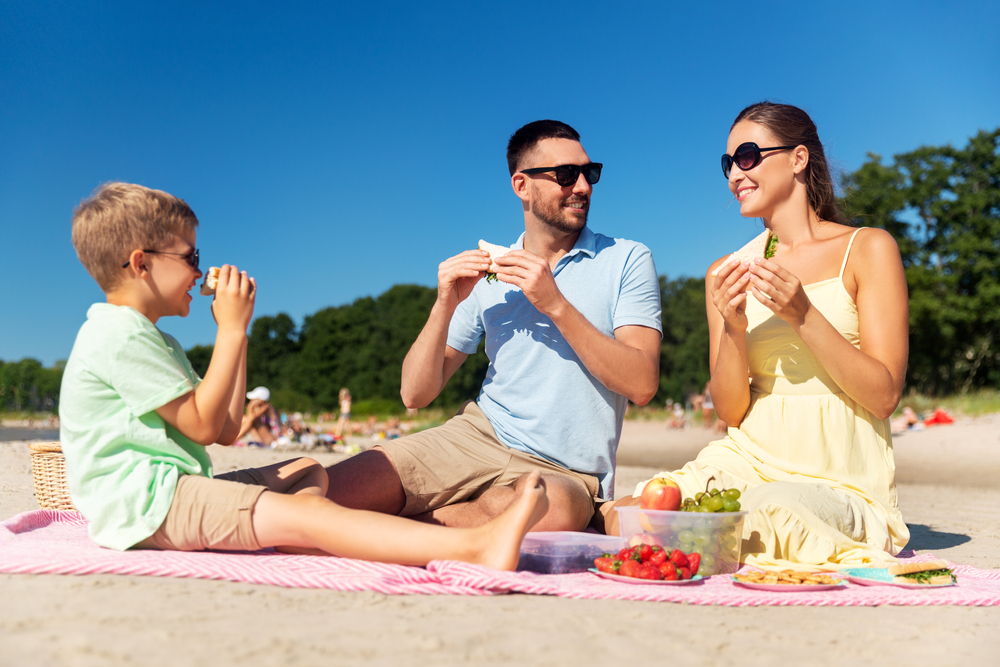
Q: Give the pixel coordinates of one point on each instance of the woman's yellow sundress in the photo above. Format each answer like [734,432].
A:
[815,468]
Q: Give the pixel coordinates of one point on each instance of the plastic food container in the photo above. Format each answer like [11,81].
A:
[564,552]
[717,536]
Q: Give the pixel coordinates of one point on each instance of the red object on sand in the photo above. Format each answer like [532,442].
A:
[939,417]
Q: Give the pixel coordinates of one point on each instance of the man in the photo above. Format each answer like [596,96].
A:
[572,329]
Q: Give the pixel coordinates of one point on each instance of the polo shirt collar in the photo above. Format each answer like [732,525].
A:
[586,242]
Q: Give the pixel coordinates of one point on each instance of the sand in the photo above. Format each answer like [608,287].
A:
[949,489]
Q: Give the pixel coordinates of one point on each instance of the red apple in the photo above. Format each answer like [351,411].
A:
[660,493]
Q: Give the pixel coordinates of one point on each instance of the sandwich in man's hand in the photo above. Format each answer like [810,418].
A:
[496,251]
[762,245]
[931,573]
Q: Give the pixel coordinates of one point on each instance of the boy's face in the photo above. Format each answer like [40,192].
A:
[172,276]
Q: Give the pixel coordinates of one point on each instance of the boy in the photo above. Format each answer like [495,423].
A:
[136,418]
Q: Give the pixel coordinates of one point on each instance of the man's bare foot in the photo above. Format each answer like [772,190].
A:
[501,537]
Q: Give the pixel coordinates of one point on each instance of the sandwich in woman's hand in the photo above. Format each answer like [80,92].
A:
[763,245]
[211,281]
[931,573]
[496,251]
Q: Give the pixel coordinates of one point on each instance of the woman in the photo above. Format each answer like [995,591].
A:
[260,427]
[808,355]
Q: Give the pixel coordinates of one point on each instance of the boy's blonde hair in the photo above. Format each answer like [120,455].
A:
[121,217]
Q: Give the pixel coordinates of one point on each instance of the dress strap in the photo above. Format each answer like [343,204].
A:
[847,254]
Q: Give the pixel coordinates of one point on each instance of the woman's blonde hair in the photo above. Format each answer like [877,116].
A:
[121,217]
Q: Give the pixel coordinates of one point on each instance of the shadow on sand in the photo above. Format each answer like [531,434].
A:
[925,538]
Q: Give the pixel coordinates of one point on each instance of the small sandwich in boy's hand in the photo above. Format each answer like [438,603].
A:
[211,281]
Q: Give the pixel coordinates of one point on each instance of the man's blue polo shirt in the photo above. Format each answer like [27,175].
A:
[538,395]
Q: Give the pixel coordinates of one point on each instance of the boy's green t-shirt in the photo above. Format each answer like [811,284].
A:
[122,459]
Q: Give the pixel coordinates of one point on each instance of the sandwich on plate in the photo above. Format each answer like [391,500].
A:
[932,573]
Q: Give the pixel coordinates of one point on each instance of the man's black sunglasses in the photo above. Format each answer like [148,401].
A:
[746,157]
[567,174]
[190,257]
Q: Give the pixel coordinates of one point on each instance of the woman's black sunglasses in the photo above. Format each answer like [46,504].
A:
[746,157]
[190,257]
[567,174]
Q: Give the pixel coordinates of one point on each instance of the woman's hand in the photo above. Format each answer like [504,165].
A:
[729,293]
[780,291]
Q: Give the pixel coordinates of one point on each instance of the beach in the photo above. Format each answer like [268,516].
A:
[947,477]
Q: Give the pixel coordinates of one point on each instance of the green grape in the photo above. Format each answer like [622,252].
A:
[698,496]
[715,504]
[732,493]
[714,492]
[702,508]
[686,537]
[730,505]
[707,560]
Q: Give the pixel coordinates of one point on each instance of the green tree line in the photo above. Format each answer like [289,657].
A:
[27,386]
[942,205]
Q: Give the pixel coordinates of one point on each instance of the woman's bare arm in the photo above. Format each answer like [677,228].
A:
[873,375]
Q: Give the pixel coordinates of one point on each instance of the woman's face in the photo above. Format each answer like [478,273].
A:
[761,188]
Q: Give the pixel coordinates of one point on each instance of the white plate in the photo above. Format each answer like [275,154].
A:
[636,580]
[790,588]
[879,576]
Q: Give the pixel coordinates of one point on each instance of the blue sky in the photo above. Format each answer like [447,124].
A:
[336,149]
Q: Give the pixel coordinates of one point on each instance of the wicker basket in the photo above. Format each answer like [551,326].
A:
[48,467]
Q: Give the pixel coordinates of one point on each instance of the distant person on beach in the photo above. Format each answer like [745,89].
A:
[806,395]
[136,418]
[572,329]
[344,421]
[260,426]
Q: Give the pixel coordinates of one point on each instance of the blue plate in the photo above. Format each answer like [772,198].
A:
[879,576]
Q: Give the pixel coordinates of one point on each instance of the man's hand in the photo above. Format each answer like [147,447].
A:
[532,274]
[459,274]
[234,299]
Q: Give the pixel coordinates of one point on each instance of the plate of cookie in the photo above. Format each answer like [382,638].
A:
[788,581]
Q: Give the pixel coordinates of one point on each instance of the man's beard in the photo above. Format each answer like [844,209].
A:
[560,220]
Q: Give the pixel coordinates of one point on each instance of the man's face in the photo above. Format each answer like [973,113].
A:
[561,208]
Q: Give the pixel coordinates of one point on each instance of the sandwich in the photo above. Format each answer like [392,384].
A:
[211,281]
[931,573]
[762,245]
[496,251]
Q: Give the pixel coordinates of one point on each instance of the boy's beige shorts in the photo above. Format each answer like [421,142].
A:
[461,459]
[210,513]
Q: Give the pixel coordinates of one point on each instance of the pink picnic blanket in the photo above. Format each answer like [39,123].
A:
[51,542]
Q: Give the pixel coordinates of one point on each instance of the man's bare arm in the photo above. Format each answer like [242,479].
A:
[430,363]
[627,364]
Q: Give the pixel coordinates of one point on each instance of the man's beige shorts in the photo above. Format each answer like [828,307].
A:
[461,459]
[210,513]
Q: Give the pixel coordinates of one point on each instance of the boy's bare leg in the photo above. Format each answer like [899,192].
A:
[307,522]
[302,475]
[570,506]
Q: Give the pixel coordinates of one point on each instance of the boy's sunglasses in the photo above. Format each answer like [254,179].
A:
[567,174]
[190,257]
[746,157]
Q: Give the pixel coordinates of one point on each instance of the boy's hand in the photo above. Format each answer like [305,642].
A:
[234,299]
